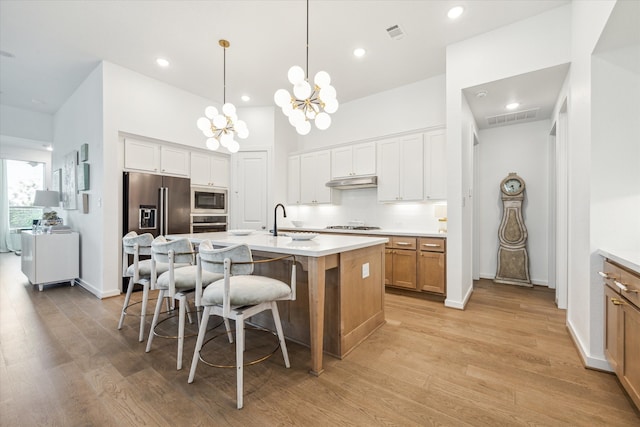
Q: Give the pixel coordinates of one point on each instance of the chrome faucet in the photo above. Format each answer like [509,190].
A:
[275,217]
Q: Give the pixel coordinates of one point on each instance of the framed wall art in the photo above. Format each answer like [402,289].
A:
[56,181]
[84,152]
[69,187]
[83,176]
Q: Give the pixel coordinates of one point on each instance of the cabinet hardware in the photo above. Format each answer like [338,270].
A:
[605,275]
[616,301]
[431,245]
[403,244]
[623,287]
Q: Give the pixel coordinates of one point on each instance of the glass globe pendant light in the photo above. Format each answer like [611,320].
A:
[308,102]
[220,128]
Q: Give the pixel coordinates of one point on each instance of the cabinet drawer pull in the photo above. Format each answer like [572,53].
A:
[605,275]
[624,288]
[616,301]
[403,244]
[431,245]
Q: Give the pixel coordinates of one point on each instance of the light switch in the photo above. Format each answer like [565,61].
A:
[365,270]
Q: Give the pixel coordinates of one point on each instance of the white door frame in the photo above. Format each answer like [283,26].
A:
[562,207]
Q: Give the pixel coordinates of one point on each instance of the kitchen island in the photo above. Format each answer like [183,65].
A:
[342,278]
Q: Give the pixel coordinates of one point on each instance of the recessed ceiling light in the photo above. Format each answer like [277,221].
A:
[481,94]
[455,12]
[512,106]
[162,62]
[47,147]
[359,52]
[245,98]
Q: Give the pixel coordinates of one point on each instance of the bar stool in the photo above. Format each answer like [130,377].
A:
[139,273]
[238,296]
[175,283]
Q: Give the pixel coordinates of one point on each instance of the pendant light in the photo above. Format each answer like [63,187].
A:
[221,128]
[309,102]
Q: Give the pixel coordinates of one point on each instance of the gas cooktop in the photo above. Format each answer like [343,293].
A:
[351,227]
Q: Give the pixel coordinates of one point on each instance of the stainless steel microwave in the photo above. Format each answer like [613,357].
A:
[208,200]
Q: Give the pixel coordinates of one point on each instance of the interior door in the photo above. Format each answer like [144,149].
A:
[251,190]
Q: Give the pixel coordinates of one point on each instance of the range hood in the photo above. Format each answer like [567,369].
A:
[353,183]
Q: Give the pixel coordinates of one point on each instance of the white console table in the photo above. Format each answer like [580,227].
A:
[50,258]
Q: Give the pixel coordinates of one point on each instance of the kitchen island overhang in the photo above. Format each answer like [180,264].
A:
[340,298]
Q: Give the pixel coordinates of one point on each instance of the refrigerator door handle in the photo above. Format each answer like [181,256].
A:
[161,216]
[166,210]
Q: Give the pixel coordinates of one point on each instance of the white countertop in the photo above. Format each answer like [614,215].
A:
[321,245]
[381,232]
[627,259]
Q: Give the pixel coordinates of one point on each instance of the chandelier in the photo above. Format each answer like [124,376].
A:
[221,128]
[309,102]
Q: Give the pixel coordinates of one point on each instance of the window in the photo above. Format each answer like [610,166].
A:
[23,179]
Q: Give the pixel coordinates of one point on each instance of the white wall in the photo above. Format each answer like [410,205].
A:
[19,123]
[585,293]
[77,122]
[521,148]
[508,51]
[415,106]
[615,151]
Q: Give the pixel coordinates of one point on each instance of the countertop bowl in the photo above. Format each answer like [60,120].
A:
[297,223]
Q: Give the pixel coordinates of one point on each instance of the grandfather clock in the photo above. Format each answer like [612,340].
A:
[513,260]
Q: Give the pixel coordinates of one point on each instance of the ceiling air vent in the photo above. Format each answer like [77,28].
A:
[395,32]
[513,117]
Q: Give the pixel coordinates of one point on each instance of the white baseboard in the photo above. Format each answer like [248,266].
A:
[95,291]
[533,281]
[460,305]
[589,361]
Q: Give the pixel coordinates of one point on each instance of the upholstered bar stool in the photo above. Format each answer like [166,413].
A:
[238,296]
[176,282]
[139,273]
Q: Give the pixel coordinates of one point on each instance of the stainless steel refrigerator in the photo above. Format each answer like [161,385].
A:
[156,204]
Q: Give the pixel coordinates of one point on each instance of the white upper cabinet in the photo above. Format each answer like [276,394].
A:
[141,155]
[174,161]
[209,170]
[153,157]
[400,169]
[293,180]
[353,160]
[435,165]
[315,172]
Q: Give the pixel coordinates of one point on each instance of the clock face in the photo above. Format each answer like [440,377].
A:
[512,186]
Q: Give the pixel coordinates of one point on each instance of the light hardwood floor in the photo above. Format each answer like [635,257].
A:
[505,360]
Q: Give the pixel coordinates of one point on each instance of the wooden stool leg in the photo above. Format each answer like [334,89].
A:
[283,344]
[143,312]
[154,322]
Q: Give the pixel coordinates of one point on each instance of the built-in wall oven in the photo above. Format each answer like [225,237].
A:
[204,223]
[210,201]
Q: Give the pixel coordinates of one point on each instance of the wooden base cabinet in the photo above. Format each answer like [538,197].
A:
[418,264]
[400,262]
[622,326]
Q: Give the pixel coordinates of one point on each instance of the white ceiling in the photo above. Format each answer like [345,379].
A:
[55,44]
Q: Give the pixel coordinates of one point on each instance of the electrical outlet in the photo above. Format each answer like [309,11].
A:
[365,270]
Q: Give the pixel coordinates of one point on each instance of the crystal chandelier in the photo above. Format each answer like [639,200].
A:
[220,129]
[309,102]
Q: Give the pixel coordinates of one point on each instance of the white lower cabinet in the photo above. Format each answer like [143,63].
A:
[50,258]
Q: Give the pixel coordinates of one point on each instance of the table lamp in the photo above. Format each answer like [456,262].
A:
[440,212]
[47,199]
